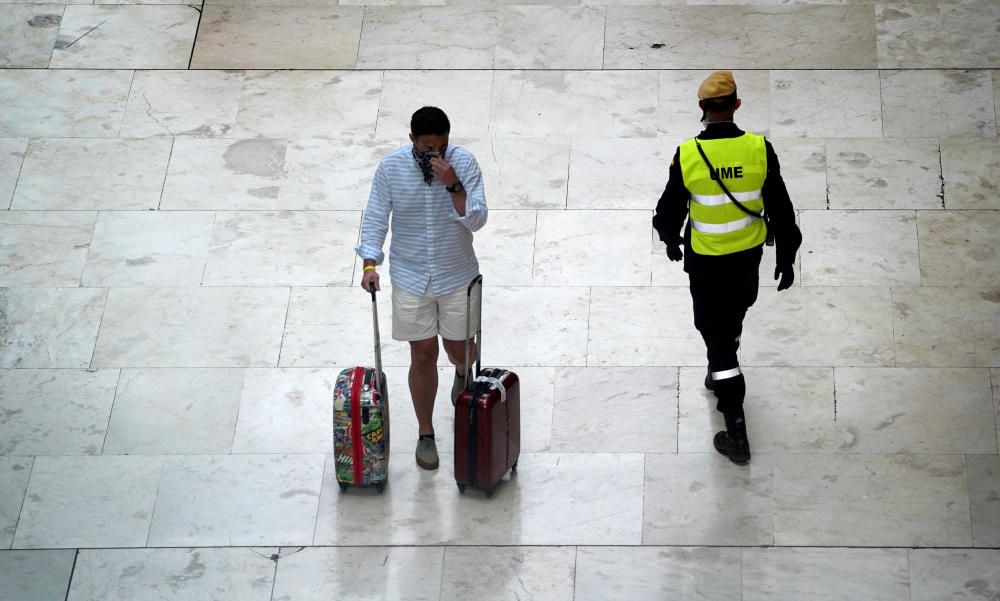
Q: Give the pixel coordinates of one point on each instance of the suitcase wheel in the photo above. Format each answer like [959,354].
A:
[461,489]
[380,487]
[489,492]
[344,486]
[513,468]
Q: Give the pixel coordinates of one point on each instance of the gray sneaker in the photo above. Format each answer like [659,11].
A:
[427,454]
[457,387]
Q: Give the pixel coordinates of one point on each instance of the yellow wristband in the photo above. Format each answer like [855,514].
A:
[369,268]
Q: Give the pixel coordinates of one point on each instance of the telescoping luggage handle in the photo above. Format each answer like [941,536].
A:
[378,342]
[468,331]
[495,382]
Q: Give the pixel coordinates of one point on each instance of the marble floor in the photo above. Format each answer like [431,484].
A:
[181,186]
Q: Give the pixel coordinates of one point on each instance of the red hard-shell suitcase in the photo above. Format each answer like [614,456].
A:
[487,419]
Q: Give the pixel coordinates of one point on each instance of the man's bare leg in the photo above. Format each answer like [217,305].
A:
[456,354]
[423,387]
[424,381]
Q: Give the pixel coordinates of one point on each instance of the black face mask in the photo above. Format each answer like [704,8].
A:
[424,162]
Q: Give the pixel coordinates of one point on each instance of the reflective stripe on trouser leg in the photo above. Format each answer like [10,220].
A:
[726,374]
[720,304]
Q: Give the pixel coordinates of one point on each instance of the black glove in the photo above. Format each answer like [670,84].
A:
[674,252]
[787,275]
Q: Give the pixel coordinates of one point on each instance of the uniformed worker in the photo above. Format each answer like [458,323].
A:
[723,243]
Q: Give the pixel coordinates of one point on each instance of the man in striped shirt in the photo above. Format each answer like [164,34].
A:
[432,196]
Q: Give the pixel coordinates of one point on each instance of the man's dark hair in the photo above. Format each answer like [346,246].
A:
[429,121]
[720,105]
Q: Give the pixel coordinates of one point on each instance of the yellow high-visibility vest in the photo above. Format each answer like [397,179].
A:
[719,227]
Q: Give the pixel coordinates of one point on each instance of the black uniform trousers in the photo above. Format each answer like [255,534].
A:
[721,299]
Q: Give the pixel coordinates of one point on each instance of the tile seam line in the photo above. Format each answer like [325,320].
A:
[968,493]
[741,566]
[100,323]
[52,53]
[72,574]
[124,107]
[996,422]
[156,498]
[111,412]
[239,408]
[538,70]
[197,30]
[211,238]
[533,453]
[166,174]
[24,501]
[604,48]
[378,118]
[361,38]
[401,365]
[511,545]
[576,569]
[677,442]
[561,210]
[444,558]
[284,327]
[319,502]
[17,179]
[274,578]
[586,351]
[881,108]
[642,511]
[909,577]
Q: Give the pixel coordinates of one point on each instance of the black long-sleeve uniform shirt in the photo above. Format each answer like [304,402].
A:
[672,211]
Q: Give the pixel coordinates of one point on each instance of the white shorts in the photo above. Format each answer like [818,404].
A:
[422,317]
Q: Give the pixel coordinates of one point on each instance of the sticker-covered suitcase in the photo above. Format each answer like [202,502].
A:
[361,422]
[487,419]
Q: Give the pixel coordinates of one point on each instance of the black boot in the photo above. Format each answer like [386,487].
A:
[732,442]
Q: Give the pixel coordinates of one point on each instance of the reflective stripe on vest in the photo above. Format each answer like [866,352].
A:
[722,228]
[721,199]
[719,227]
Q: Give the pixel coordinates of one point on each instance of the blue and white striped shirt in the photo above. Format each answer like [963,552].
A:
[431,248]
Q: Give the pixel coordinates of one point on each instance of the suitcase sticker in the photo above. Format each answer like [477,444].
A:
[361,421]
[364,435]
